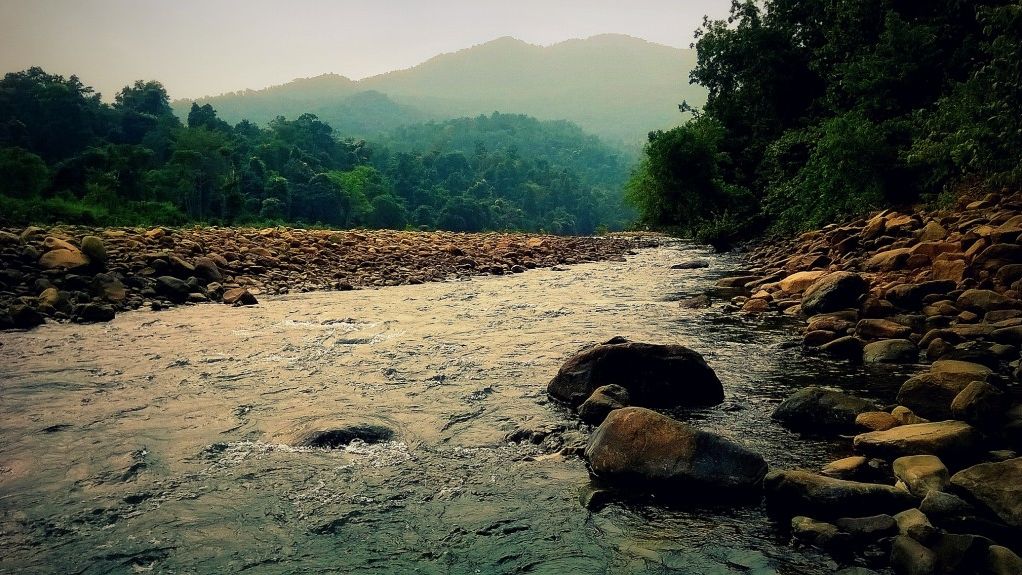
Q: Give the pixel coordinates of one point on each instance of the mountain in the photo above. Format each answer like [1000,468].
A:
[615,86]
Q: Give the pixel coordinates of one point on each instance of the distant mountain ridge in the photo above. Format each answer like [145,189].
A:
[615,86]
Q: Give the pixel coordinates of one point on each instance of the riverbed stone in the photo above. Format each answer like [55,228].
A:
[914,523]
[881,329]
[173,289]
[799,281]
[921,473]
[799,492]
[910,557]
[890,351]
[654,375]
[340,436]
[94,249]
[603,400]
[1002,561]
[948,440]
[239,296]
[868,529]
[816,409]
[819,533]
[846,468]
[93,312]
[980,404]
[849,347]
[635,444]
[63,259]
[996,487]
[875,420]
[930,394]
[833,292]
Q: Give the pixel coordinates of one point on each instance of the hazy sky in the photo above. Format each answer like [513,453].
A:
[204,47]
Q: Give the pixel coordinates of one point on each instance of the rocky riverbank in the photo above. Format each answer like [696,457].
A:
[88,275]
[938,470]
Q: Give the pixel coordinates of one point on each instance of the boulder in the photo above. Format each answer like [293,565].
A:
[798,492]
[334,437]
[849,347]
[889,260]
[876,421]
[819,533]
[93,312]
[25,317]
[815,409]
[997,256]
[109,288]
[948,440]
[921,473]
[206,269]
[239,296]
[63,259]
[94,249]
[637,444]
[1002,561]
[980,404]
[995,487]
[881,329]
[868,529]
[833,292]
[654,375]
[173,289]
[982,301]
[691,265]
[847,468]
[890,351]
[799,281]
[905,416]
[603,400]
[910,557]
[910,296]
[914,523]
[930,394]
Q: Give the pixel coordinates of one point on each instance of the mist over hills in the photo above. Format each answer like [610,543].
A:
[614,86]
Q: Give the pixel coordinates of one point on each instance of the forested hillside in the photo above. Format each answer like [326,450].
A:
[614,86]
[818,110]
[69,157]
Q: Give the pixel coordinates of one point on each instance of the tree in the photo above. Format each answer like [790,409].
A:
[22,173]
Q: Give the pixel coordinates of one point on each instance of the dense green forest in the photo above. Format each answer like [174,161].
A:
[817,110]
[67,156]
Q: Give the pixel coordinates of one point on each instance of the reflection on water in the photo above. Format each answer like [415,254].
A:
[160,442]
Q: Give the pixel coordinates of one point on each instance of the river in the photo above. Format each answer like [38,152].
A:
[158,442]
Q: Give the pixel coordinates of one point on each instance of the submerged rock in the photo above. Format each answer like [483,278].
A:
[604,400]
[640,445]
[795,492]
[654,375]
[818,409]
[340,436]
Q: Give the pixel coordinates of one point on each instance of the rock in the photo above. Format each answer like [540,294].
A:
[905,416]
[795,492]
[799,281]
[833,292]
[881,329]
[93,312]
[960,553]
[173,289]
[914,523]
[981,300]
[848,347]
[910,296]
[998,256]
[980,404]
[846,468]
[909,557]
[239,296]
[54,298]
[603,400]
[945,509]
[868,529]
[921,473]
[637,444]
[109,288]
[654,375]
[691,265]
[932,232]
[948,440]
[950,270]
[1002,561]
[816,409]
[964,370]
[63,259]
[890,351]
[206,269]
[332,438]
[875,420]
[818,533]
[1009,335]
[995,487]
[890,260]
[25,317]
[930,394]
[94,249]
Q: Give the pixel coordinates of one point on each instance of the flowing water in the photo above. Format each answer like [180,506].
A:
[159,442]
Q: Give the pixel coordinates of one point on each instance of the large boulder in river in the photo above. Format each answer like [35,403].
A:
[930,394]
[799,492]
[640,445]
[832,292]
[816,409]
[949,440]
[996,487]
[654,375]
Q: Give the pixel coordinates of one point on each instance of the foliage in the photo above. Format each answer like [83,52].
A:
[828,109]
[134,162]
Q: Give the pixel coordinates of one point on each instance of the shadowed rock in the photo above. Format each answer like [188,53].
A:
[341,436]
[798,492]
[654,375]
